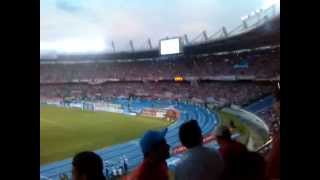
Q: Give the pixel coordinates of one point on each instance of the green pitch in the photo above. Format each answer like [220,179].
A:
[64,132]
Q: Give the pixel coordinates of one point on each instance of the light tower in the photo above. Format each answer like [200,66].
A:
[224,31]
[186,40]
[113,46]
[149,43]
[205,36]
[244,22]
[131,45]
[273,9]
[258,14]
[265,18]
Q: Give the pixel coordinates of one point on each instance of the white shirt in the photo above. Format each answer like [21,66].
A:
[199,163]
[114,171]
[120,171]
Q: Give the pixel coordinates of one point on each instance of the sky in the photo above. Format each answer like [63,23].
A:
[91,25]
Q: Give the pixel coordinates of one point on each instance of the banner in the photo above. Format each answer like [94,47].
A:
[76,105]
[108,107]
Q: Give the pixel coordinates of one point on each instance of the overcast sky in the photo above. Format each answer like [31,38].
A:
[91,25]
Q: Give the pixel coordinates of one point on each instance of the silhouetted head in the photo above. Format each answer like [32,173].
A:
[154,146]
[232,125]
[190,134]
[223,134]
[87,166]
[252,166]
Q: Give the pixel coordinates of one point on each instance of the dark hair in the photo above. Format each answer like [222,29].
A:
[190,134]
[223,132]
[89,164]
[232,125]
[251,166]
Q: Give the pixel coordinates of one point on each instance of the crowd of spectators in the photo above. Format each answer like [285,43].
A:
[266,115]
[232,160]
[199,162]
[262,64]
[271,116]
[237,93]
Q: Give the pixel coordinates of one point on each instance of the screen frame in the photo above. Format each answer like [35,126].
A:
[181,45]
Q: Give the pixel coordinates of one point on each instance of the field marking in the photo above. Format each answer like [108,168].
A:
[106,119]
[55,124]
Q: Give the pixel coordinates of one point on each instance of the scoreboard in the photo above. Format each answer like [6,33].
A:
[171,46]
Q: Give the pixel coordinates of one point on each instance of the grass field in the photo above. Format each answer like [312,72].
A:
[241,128]
[64,132]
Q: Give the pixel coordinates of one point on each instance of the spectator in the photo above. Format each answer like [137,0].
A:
[114,171]
[199,162]
[231,151]
[119,170]
[276,108]
[251,166]
[107,172]
[155,151]
[273,159]
[125,164]
[232,126]
[106,165]
[87,166]
[228,147]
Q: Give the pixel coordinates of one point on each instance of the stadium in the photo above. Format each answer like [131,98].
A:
[104,102]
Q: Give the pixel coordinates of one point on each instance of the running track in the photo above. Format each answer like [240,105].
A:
[207,121]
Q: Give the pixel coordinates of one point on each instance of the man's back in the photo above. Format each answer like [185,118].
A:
[200,163]
[230,149]
[148,171]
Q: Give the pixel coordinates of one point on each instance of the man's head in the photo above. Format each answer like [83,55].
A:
[223,134]
[87,166]
[190,134]
[154,146]
[232,125]
[251,166]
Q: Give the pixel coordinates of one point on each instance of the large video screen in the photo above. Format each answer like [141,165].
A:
[170,46]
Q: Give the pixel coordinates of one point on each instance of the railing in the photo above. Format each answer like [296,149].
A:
[265,148]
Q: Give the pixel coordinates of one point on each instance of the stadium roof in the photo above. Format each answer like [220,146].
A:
[266,34]
[90,26]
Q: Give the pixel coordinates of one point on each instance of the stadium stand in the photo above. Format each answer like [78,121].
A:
[238,93]
[259,63]
[147,80]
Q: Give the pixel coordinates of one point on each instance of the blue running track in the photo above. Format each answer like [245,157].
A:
[208,121]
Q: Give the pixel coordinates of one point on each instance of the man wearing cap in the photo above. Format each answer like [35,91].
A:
[155,151]
[198,162]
